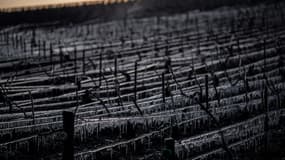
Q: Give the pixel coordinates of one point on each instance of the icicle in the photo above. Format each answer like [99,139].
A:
[127,151]
[120,131]
[111,153]
[149,142]
[98,130]
[135,147]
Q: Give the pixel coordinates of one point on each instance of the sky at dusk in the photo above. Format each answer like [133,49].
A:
[5,4]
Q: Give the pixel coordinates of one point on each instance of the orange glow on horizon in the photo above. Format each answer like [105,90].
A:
[13,4]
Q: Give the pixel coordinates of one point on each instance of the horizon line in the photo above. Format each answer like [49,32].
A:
[60,5]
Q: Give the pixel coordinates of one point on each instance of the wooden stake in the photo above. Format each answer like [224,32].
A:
[264,56]
[116,65]
[33,110]
[198,36]
[100,69]
[83,62]
[266,125]
[75,60]
[24,46]
[32,50]
[207,92]
[39,48]
[44,49]
[50,54]
[68,127]
[60,55]
[135,88]
[163,88]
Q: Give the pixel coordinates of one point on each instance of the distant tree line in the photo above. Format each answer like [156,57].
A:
[104,12]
